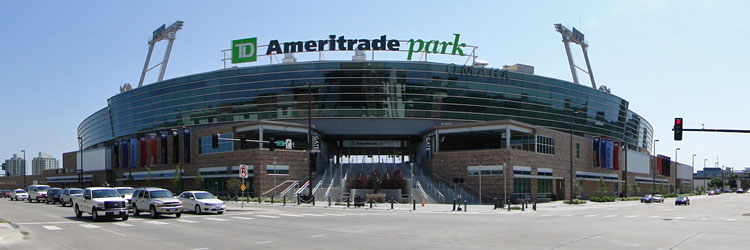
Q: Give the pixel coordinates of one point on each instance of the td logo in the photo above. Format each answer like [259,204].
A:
[245,50]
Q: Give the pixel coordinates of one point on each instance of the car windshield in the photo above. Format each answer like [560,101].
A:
[54,191]
[681,198]
[125,191]
[646,196]
[76,191]
[20,191]
[161,194]
[658,196]
[42,188]
[104,193]
[201,196]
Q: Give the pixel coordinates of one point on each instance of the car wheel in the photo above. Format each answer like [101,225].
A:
[94,214]
[78,212]
[154,214]
[125,217]
[220,212]
[198,209]
[177,215]
[135,210]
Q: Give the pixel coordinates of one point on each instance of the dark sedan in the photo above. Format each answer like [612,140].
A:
[682,200]
[53,195]
[646,198]
[657,198]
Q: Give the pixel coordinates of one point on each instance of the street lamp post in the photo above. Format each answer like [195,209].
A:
[676,165]
[571,157]
[705,183]
[692,184]
[505,184]
[653,181]
[24,167]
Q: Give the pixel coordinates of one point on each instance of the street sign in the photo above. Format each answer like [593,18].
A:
[243,187]
[316,144]
[288,144]
[243,173]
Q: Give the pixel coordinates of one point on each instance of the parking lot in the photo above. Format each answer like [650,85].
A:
[708,222]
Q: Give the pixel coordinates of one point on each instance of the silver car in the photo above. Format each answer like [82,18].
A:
[201,202]
[19,194]
[68,194]
[127,194]
[156,201]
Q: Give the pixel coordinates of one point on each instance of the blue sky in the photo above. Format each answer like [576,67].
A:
[62,60]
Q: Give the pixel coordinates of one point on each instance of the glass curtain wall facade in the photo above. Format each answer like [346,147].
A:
[371,89]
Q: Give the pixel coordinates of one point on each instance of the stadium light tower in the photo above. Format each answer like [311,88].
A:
[159,34]
[576,37]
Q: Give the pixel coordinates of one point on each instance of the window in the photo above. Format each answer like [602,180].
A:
[486,170]
[545,188]
[277,169]
[521,170]
[578,150]
[522,188]
[224,145]
[545,145]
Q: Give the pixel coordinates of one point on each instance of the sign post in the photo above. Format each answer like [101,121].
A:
[243,174]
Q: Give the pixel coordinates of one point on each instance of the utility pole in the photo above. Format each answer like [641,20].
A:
[571,157]
[653,181]
[309,141]
[24,167]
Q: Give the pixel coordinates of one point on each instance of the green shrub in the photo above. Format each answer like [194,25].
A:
[631,198]
[575,201]
[602,198]
[672,195]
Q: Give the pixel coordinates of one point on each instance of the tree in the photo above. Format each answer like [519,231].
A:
[149,178]
[716,182]
[233,186]
[634,189]
[199,180]
[745,183]
[601,188]
[578,188]
[175,181]
[700,189]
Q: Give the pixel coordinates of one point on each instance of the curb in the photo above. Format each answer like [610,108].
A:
[18,235]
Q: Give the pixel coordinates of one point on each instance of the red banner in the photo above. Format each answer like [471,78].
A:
[152,147]
[142,156]
[616,156]
[658,164]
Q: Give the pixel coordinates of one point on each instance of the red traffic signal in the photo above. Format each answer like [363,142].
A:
[677,129]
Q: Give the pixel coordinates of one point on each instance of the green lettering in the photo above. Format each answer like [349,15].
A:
[411,47]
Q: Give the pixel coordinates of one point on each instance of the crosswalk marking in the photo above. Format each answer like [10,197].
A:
[590,215]
[157,223]
[679,218]
[268,216]
[566,215]
[216,219]
[292,215]
[354,214]
[187,221]
[655,216]
[334,214]
[316,215]
[89,226]
[610,216]
[633,216]
[51,228]
[547,215]
[731,219]
[243,218]
[122,224]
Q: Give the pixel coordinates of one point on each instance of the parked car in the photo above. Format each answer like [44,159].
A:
[68,194]
[682,200]
[646,198]
[101,200]
[19,194]
[711,192]
[201,201]
[127,194]
[740,191]
[37,193]
[5,193]
[53,195]
[156,201]
[657,198]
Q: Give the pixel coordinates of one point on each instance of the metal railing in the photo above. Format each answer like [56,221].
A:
[282,184]
[290,188]
[302,188]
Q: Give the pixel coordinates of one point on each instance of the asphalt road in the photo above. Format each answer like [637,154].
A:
[708,223]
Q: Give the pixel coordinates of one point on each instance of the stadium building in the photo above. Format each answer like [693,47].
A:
[407,129]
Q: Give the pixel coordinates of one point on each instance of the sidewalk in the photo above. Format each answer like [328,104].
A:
[9,234]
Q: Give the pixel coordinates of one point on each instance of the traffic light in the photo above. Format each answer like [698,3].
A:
[243,141]
[271,144]
[313,162]
[677,129]
[214,140]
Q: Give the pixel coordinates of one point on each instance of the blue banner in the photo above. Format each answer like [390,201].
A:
[602,152]
[596,152]
[124,147]
[610,154]
[186,140]
[133,151]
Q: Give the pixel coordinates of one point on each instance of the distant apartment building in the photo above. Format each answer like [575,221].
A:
[43,162]
[15,166]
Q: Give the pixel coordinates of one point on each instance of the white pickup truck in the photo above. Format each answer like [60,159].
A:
[101,201]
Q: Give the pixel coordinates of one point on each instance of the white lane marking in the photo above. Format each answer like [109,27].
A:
[52,222]
[590,215]
[610,216]
[704,219]
[679,218]
[316,236]
[566,215]
[216,219]
[122,224]
[268,216]
[113,232]
[633,216]
[136,219]
[157,223]
[655,216]
[334,214]
[187,221]
[292,215]
[51,228]
[202,248]
[357,214]
[316,215]
[547,215]
[731,219]
[263,242]
[243,218]
[89,226]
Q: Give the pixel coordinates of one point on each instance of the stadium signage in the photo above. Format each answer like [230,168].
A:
[476,71]
[246,50]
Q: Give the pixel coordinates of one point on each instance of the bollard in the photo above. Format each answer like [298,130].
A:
[454,205]
[527,203]
[259,198]
[534,205]
[297,200]
[272,199]
[329,201]
[284,200]
[522,206]
[465,206]
[313,199]
[494,201]
[414,203]
[347,202]
[391,204]
[508,206]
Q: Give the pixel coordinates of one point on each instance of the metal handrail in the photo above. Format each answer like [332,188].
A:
[290,188]
[274,188]
[317,186]
[419,185]
[301,189]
